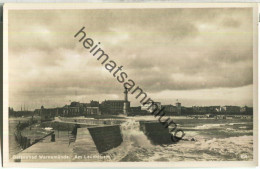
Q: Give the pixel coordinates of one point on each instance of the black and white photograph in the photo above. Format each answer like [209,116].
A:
[142,83]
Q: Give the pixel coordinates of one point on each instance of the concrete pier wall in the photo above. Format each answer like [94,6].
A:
[90,141]
[61,126]
[24,142]
[93,121]
[156,132]
[106,137]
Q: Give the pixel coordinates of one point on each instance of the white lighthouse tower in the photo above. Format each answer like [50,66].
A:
[178,106]
[126,102]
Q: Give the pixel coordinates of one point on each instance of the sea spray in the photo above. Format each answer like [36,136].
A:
[133,140]
[212,142]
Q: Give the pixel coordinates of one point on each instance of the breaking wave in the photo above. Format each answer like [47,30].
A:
[137,147]
[208,126]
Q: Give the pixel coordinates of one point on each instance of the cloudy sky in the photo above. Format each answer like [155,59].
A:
[199,56]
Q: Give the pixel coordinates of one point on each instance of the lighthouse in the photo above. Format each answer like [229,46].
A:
[178,106]
[126,102]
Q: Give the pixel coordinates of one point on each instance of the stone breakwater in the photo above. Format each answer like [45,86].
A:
[106,137]
[156,132]
[23,141]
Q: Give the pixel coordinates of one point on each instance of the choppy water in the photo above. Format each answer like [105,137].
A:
[215,140]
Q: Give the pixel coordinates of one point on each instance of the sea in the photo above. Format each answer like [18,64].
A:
[206,139]
[213,140]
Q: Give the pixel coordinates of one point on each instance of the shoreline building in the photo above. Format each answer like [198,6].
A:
[92,108]
[116,107]
[231,109]
[246,110]
[48,114]
[150,107]
[112,107]
[169,109]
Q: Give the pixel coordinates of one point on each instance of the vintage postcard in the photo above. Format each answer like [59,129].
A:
[130,84]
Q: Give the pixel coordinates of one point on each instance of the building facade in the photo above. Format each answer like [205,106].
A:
[150,107]
[231,109]
[113,107]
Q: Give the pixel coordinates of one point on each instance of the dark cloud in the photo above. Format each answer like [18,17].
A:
[160,49]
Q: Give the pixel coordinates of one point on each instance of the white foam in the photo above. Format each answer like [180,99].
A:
[208,126]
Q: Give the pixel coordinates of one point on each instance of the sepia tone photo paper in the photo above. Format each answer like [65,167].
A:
[130,85]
